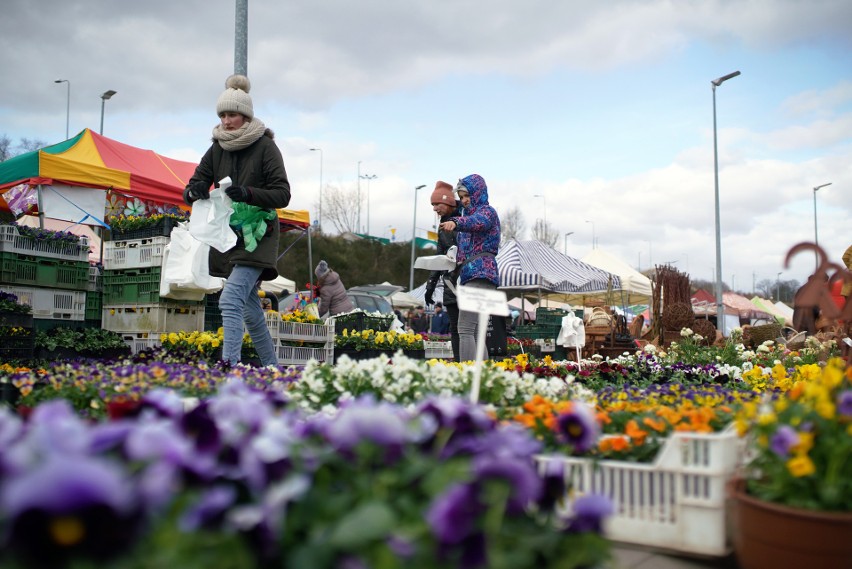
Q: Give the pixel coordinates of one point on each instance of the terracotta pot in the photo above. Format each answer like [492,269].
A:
[774,536]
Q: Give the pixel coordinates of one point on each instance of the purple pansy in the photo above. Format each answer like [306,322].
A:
[783,439]
[578,427]
[589,513]
[844,403]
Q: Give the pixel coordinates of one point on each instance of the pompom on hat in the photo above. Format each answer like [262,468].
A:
[235,98]
[322,269]
[443,194]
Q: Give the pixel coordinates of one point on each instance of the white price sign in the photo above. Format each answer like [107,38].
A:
[482,300]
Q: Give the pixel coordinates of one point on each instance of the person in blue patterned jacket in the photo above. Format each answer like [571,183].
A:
[478,240]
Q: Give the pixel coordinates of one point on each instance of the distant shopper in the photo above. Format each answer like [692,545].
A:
[478,242]
[846,291]
[446,206]
[244,150]
[440,321]
[419,321]
[332,293]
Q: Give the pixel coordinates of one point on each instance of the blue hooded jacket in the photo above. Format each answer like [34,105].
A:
[478,232]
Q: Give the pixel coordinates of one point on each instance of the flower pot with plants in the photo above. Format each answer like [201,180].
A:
[793,505]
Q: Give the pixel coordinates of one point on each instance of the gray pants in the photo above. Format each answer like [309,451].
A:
[468,322]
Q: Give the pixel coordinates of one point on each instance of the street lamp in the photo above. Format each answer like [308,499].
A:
[67,105]
[368,177]
[565,245]
[816,236]
[593,232]
[413,239]
[778,287]
[715,83]
[104,98]
[319,213]
[358,224]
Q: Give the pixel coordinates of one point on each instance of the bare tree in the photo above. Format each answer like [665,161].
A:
[340,207]
[544,232]
[512,225]
[8,150]
[5,148]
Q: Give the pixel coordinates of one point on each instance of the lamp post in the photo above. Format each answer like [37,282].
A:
[67,105]
[104,98]
[413,239]
[593,232]
[368,177]
[816,235]
[565,244]
[544,199]
[778,287]
[715,83]
[319,212]
[358,223]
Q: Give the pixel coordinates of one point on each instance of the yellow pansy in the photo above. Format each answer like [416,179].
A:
[801,465]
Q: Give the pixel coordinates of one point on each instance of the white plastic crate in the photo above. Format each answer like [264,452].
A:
[96,279]
[307,332]
[159,317]
[139,341]
[293,355]
[51,303]
[11,241]
[438,350]
[135,253]
[677,502]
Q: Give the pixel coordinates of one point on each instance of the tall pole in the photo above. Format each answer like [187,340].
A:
[241,38]
[67,106]
[368,177]
[565,244]
[358,224]
[319,214]
[107,95]
[816,235]
[413,237]
[715,83]
[778,287]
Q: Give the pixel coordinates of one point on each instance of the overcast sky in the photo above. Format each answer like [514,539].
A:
[603,108]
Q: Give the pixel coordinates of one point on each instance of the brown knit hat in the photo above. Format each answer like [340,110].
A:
[443,194]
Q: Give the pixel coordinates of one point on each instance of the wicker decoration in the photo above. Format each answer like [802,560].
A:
[678,315]
[756,335]
[705,329]
[599,317]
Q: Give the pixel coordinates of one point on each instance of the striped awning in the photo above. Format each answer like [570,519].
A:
[532,265]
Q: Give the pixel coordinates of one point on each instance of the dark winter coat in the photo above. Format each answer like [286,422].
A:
[260,167]
[333,299]
[446,239]
[478,235]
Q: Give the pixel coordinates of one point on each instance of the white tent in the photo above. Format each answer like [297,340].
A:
[278,285]
[635,287]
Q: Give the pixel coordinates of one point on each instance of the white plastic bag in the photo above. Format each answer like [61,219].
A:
[186,269]
[208,221]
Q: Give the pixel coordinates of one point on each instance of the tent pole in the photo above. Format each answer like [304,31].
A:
[40,208]
[310,261]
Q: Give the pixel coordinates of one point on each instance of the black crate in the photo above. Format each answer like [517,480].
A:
[212,314]
[360,321]
[161,229]
[17,347]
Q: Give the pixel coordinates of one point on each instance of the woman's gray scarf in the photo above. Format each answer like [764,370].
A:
[243,137]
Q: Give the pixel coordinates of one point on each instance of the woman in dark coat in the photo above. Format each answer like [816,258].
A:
[243,149]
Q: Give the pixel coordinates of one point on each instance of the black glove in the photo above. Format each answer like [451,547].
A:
[239,193]
[428,297]
[199,190]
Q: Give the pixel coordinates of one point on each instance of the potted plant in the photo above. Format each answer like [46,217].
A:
[370,343]
[67,343]
[793,506]
[13,312]
[141,226]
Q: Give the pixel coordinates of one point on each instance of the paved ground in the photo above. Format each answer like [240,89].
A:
[638,557]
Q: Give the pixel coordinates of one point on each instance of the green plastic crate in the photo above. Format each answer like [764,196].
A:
[94,305]
[537,331]
[43,272]
[549,316]
[136,286]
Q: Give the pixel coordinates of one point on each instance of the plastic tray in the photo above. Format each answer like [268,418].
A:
[438,350]
[11,241]
[32,270]
[676,503]
[161,317]
[134,253]
[140,341]
[292,355]
[51,303]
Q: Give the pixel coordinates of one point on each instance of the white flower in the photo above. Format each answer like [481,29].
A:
[686,332]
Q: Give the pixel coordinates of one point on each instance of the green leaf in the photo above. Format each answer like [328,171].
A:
[367,522]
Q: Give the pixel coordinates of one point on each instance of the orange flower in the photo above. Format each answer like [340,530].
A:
[637,435]
[658,426]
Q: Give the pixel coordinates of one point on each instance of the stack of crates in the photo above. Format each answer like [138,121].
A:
[132,306]
[48,273]
[297,342]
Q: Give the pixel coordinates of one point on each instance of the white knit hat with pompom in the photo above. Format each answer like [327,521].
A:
[236,98]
